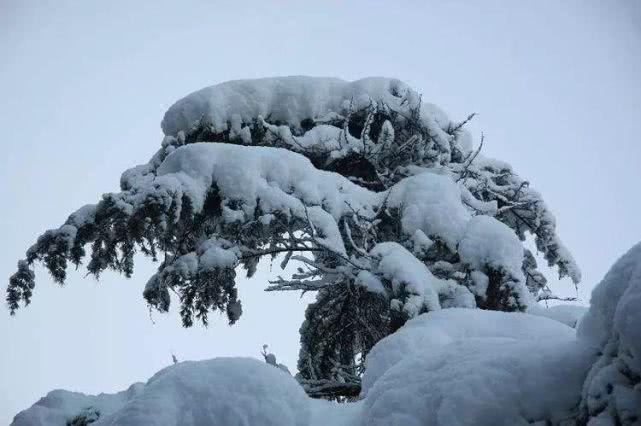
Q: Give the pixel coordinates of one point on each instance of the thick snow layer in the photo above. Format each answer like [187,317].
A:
[481,381]
[401,268]
[435,330]
[465,366]
[490,242]
[614,305]
[431,203]
[60,406]
[221,391]
[228,105]
[276,180]
[612,391]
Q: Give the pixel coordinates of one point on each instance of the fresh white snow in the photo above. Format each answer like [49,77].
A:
[291,100]
[430,332]
[398,266]
[431,203]
[61,406]
[220,391]
[612,325]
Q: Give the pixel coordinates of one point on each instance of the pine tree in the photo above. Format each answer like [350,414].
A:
[378,197]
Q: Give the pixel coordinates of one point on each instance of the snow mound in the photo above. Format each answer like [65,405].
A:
[60,407]
[490,381]
[228,105]
[221,391]
[612,390]
[435,330]
[458,366]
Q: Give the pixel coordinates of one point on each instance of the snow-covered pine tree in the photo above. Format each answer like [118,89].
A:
[379,198]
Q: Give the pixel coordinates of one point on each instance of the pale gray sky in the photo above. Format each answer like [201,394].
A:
[83,86]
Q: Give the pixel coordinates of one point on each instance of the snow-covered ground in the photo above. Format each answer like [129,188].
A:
[447,367]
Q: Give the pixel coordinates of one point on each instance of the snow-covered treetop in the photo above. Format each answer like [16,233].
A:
[377,195]
[289,100]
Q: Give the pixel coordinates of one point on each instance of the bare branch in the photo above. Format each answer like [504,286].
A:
[472,158]
[459,126]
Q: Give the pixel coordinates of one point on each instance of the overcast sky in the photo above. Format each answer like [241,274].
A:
[83,87]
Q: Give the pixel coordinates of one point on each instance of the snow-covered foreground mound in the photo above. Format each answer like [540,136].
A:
[454,366]
[447,367]
[475,367]
[220,391]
